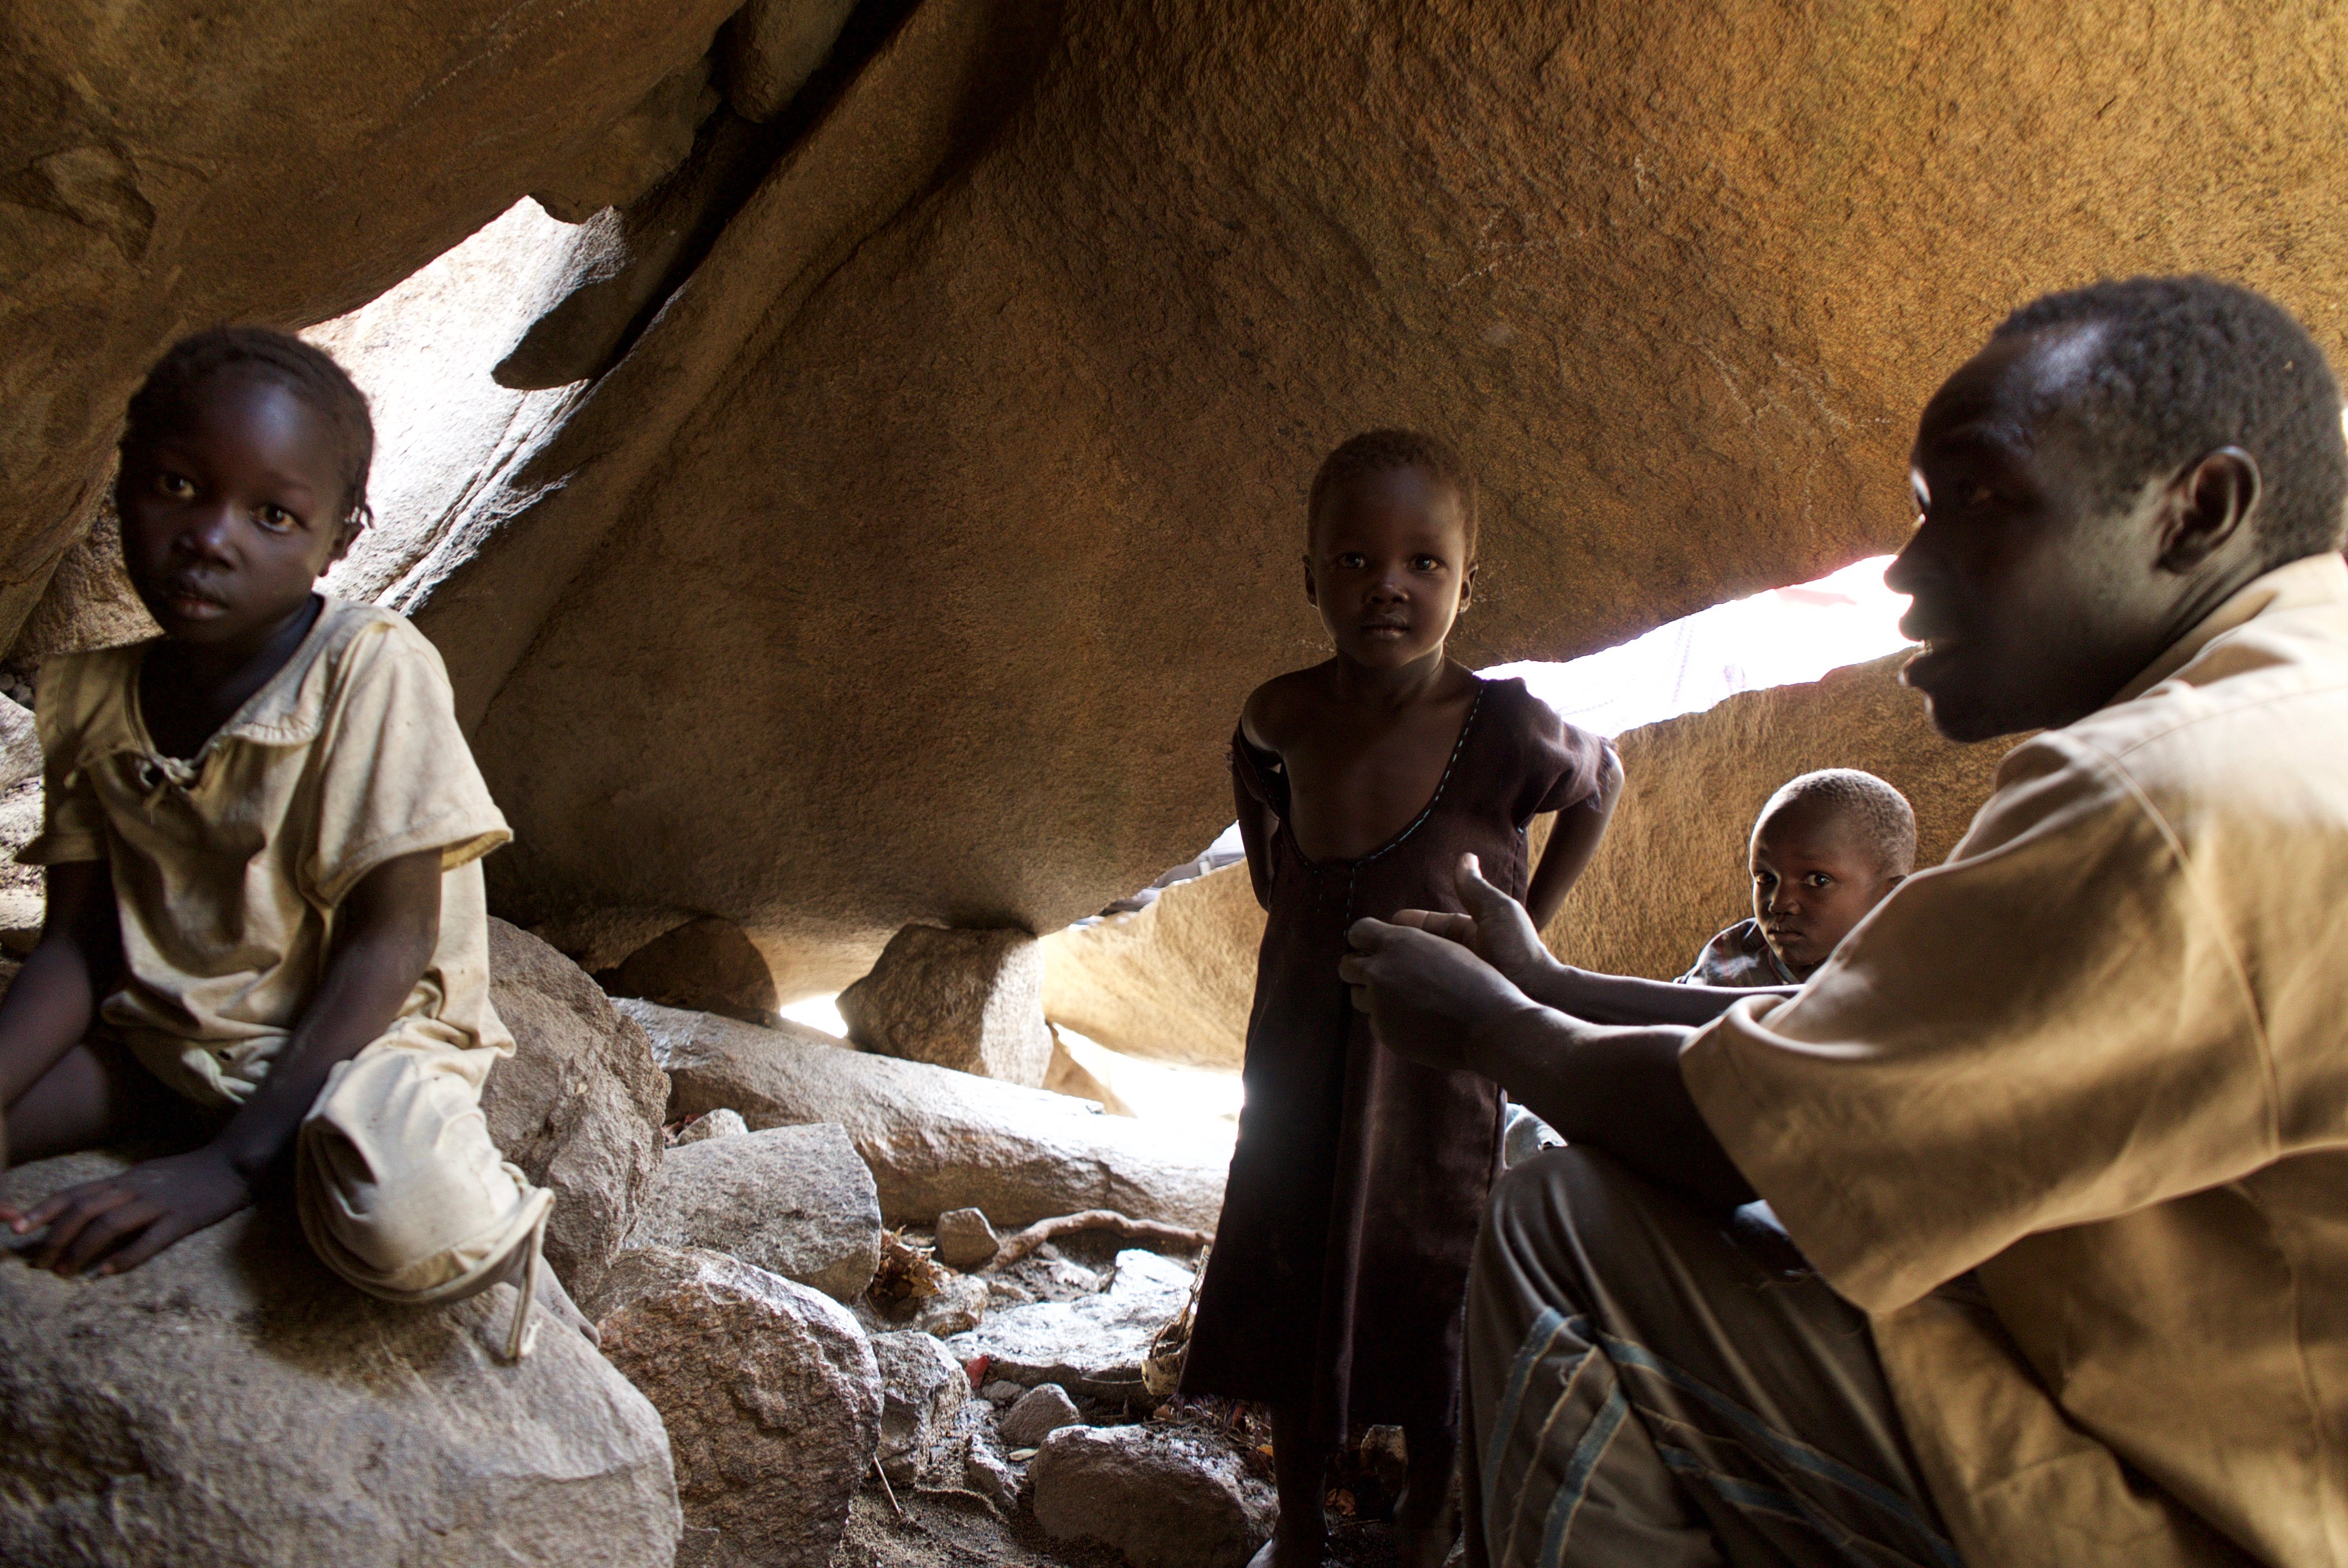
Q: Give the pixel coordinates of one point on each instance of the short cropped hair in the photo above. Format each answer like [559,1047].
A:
[309,373]
[2188,364]
[1383,452]
[1882,815]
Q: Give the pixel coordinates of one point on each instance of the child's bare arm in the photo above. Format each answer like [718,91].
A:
[56,997]
[385,932]
[1572,843]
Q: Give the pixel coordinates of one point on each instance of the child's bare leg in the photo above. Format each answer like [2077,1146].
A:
[79,1104]
[1424,1523]
[1298,1463]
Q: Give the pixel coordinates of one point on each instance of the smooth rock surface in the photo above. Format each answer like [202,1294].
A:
[146,147]
[770,1393]
[578,1106]
[1052,291]
[771,47]
[794,1201]
[934,1139]
[1068,1076]
[1094,1345]
[714,1124]
[1173,981]
[970,1001]
[1039,1412]
[706,966]
[922,1390]
[232,1403]
[965,1239]
[1162,1496]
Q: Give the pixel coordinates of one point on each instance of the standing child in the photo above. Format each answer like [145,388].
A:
[266,927]
[1335,1290]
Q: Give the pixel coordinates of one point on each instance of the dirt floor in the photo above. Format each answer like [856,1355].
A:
[949,1530]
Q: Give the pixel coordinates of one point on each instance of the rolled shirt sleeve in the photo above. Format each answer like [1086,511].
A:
[395,775]
[2052,1028]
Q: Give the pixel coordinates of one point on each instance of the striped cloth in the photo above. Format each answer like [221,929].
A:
[1649,1388]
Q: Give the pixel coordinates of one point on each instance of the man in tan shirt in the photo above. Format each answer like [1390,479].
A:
[2058,1137]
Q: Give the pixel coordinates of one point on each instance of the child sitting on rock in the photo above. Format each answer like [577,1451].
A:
[266,933]
[1826,849]
[1335,1290]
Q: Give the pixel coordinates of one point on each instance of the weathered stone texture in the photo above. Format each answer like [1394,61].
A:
[795,1201]
[232,1404]
[1173,980]
[1164,1498]
[934,1139]
[970,1001]
[769,1391]
[579,1104]
[143,149]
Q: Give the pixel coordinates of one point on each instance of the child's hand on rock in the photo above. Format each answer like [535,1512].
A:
[113,1225]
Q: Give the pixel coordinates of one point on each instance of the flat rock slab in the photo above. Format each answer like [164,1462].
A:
[1094,1345]
[1165,1498]
[232,1403]
[794,1201]
[934,1139]
[770,1393]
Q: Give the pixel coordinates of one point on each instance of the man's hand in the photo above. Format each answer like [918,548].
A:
[113,1225]
[1429,997]
[1496,926]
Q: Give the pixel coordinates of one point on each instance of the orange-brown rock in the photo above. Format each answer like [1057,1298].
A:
[911,560]
[1172,981]
[166,166]
[912,565]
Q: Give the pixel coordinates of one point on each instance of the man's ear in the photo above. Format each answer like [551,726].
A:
[2206,506]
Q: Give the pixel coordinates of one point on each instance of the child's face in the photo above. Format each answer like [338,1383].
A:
[1813,879]
[230,513]
[1387,567]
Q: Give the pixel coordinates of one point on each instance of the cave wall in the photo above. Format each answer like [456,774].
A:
[927,492]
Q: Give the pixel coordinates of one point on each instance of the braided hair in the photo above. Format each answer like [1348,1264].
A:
[309,373]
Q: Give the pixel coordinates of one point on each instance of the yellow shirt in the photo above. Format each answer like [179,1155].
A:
[2101,1057]
[228,867]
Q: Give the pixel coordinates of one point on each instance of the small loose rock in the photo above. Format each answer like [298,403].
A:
[1041,1411]
[717,1125]
[965,1240]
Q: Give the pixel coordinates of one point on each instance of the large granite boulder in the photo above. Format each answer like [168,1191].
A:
[233,1403]
[706,965]
[934,1139]
[1174,980]
[970,1001]
[144,149]
[794,1201]
[1027,351]
[579,1104]
[770,1393]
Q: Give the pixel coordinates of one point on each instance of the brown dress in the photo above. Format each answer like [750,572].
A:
[1341,1261]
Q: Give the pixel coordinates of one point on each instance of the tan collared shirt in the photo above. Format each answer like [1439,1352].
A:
[228,867]
[2100,1056]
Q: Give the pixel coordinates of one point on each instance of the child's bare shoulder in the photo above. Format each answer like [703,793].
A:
[1280,709]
